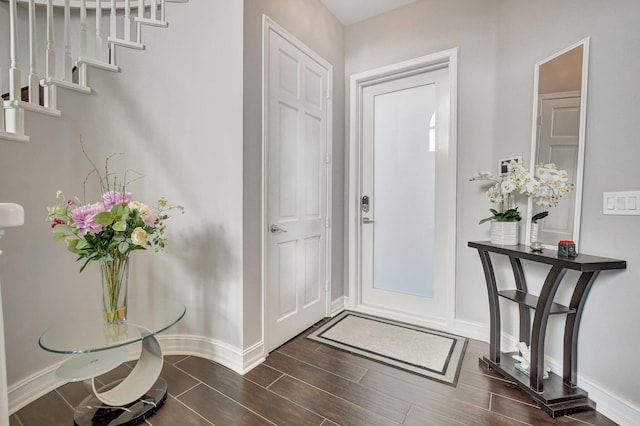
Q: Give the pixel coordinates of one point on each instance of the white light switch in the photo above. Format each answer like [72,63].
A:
[624,203]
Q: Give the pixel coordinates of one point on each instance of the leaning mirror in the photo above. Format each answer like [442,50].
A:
[558,137]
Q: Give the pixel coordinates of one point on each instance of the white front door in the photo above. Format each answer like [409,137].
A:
[296,173]
[405,211]
[558,134]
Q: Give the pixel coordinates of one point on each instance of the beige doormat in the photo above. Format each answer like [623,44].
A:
[430,353]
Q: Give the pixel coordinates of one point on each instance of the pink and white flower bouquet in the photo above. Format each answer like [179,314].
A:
[107,232]
[111,228]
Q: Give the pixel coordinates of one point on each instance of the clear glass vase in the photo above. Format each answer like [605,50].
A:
[534,232]
[115,282]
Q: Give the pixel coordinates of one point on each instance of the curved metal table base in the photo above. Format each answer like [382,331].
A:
[92,412]
[139,381]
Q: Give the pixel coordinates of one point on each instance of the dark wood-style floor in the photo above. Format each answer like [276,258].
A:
[307,383]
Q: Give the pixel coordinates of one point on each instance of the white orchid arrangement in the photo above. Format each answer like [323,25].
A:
[545,188]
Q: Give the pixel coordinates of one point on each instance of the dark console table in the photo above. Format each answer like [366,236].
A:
[556,395]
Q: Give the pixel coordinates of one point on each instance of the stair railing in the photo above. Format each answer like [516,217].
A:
[12,110]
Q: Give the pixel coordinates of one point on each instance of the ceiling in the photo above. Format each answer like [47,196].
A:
[352,11]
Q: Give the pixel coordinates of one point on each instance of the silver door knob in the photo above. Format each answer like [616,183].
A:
[275,228]
[366,220]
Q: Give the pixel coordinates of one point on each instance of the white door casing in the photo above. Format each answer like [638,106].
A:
[443,313]
[296,185]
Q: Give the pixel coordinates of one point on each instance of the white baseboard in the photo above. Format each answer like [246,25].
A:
[471,329]
[609,404]
[44,381]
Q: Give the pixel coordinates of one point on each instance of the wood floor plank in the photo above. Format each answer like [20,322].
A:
[250,395]
[263,375]
[493,384]
[593,417]
[178,381]
[369,398]
[219,409]
[74,392]
[304,350]
[173,413]
[423,392]
[418,416]
[49,409]
[327,405]
[461,412]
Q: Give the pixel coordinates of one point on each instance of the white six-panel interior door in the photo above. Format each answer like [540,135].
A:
[297,163]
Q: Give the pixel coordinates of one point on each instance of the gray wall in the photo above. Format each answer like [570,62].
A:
[311,23]
[499,43]
[527,33]
[187,115]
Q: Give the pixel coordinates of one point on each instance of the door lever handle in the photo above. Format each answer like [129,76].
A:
[276,228]
[366,220]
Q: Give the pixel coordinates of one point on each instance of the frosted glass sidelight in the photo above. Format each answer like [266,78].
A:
[404,191]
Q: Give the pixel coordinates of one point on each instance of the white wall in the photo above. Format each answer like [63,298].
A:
[175,110]
[500,41]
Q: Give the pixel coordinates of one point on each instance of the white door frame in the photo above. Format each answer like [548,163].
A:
[445,59]
[268,25]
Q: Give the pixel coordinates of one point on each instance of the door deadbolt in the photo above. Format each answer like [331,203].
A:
[364,204]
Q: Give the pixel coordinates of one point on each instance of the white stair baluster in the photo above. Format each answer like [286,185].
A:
[83,42]
[68,62]
[113,21]
[14,71]
[34,80]
[14,115]
[113,30]
[153,10]
[127,20]
[162,12]
[83,28]
[98,52]
[1,109]
[50,71]
[50,60]
[140,16]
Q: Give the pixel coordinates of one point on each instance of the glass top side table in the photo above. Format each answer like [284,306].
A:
[98,347]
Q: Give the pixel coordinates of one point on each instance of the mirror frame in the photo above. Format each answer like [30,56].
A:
[581,137]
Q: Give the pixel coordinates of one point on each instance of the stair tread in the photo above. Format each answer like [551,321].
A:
[152,22]
[126,43]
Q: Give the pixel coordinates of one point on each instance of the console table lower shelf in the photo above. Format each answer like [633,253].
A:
[557,399]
